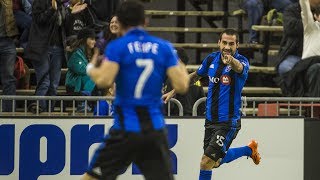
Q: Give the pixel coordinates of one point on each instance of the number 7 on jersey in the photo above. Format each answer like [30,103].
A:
[148,66]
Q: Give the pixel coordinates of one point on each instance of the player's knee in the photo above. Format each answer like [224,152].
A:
[208,164]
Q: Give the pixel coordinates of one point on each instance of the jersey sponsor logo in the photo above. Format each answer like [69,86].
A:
[225,79]
[214,80]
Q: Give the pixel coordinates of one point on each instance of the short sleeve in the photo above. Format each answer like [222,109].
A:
[203,70]
[244,61]
[112,52]
[171,57]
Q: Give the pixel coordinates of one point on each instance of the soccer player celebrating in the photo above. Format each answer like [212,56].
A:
[228,72]
[138,63]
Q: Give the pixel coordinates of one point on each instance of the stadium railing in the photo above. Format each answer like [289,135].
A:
[20,105]
[275,106]
[185,29]
[246,91]
[253,69]
[183,13]
[251,106]
[257,90]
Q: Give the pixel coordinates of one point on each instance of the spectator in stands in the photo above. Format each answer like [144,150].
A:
[292,40]
[83,19]
[110,33]
[83,51]
[303,78]
[256,9]
[311,24]
[311,48]
[86,18]
[76,22]
[22,12]
[46,47]
[187,100]
[8,31]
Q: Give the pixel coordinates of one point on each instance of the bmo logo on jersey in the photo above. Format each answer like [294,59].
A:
[28,152]
[214,80]
[225,79]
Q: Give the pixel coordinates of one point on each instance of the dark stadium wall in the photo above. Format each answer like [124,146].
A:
[311,149]
[189,22]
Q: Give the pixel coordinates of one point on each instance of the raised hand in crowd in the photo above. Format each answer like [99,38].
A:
[54,4]
[78,7]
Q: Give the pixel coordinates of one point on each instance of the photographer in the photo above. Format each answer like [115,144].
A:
[46,46]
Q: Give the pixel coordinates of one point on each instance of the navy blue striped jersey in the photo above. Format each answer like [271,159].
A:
[143,61]
[225,87]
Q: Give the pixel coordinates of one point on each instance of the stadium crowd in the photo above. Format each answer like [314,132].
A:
[56,34]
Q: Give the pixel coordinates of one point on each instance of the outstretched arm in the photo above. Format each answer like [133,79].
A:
[233,62]
[306,13]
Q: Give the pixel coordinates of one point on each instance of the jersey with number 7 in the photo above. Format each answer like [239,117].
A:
[143,61]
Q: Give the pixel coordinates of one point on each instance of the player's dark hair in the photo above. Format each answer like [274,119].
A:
[131,13]
[230,32]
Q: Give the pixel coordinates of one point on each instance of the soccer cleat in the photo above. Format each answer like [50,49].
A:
[255,156]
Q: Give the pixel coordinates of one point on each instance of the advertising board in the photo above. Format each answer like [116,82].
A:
[48,149]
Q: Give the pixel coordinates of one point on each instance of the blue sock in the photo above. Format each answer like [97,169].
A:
[235,153]
[205,174]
